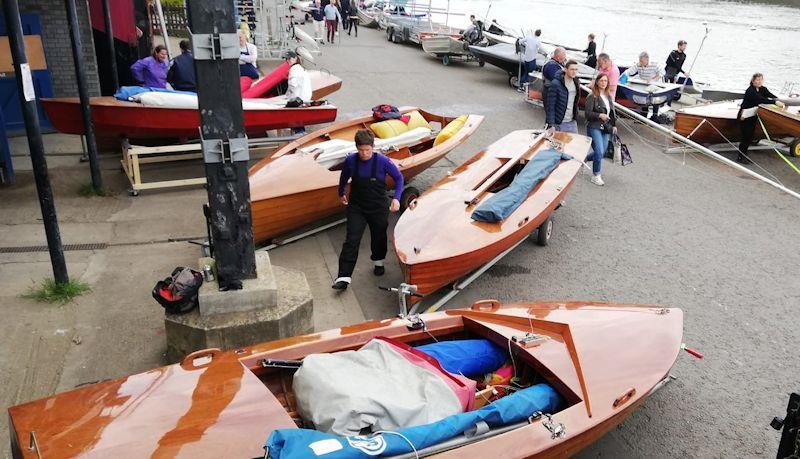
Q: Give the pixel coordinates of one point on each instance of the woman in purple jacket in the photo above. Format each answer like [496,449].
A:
[151,71]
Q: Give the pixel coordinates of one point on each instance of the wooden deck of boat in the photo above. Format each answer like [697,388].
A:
[431,257]
[720,122]
[289,191]
[217,404]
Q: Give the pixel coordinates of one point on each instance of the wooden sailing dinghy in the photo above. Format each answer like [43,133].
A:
[779,121]
[115,118]
[298,184]
[226,404]
[432,258]
[711,123]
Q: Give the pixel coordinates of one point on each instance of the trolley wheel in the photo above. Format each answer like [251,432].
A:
[513,81]
[545,232]
[132,192]
[794,148]
[481,62]
[446,59]
[408,196]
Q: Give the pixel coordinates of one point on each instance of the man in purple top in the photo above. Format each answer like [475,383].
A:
[367,205]
[152,70]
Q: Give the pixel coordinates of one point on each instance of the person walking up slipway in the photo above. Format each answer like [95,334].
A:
[531,50]
[367,205]
[332,15]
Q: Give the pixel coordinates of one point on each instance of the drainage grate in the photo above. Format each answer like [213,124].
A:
[43,248]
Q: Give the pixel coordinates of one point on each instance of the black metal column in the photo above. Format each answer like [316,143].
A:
[83,93]
[225,151]
[27,101]
[111,50]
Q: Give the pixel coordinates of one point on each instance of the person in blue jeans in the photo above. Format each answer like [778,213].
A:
[601,122]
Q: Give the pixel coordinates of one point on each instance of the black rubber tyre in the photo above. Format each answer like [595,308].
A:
[794,148]
[545,232]
[481,62]
[408,196]
[513,81]
[446,59]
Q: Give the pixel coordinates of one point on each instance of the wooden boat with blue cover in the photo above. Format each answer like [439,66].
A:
[433,258]
[215,404]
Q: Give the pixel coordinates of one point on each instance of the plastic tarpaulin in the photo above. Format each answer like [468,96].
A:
[128,92]
[304,443]
[469,357]
[503,203]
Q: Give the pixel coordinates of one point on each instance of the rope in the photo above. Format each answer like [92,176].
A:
[414,448]
[766,134]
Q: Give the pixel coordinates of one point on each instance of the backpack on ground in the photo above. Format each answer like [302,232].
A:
[177,294]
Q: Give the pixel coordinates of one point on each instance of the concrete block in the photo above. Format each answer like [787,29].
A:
[292,315]
[256,294]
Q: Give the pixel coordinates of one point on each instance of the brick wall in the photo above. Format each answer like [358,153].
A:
[58,48]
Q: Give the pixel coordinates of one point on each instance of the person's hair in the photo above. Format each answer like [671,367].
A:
[472,16]
[603,57]
[158,49]
[184,44]
[756,75]
[538,32]
[591,36]
[596,89]
[681,42]
[644,55]
[559,50]
[570,62]
[364,137]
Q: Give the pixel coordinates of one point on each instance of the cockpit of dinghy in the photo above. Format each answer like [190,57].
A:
[528,369]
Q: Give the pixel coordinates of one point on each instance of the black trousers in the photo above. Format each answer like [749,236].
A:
[357,221]
[747,128]
[352,24]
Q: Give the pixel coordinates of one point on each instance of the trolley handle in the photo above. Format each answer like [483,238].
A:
[395,290]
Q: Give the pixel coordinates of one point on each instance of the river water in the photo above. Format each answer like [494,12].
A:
[743,37]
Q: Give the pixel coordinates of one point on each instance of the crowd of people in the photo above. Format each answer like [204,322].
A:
[328,15]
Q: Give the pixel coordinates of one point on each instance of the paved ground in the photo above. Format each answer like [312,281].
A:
[688,233]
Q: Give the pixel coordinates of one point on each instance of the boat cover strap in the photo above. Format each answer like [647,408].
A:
[503,203]
[511,409]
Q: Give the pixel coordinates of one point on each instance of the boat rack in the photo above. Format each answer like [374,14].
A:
[134,156]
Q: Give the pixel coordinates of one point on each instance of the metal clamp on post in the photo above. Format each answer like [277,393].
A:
[214,46]
[225,151]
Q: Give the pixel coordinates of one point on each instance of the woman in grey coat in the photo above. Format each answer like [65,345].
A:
[601,122]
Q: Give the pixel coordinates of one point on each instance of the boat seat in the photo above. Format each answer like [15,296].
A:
[331,153]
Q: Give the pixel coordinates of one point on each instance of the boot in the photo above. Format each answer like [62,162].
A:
[741,159]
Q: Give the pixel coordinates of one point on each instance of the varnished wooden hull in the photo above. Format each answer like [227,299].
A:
[431,258]
[780,121]
[686,124]
[225,404]
[291,191]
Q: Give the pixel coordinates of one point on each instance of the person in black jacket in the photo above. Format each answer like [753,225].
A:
[591,52]
[181,74]
[561,109]
[754,96]
[675,62]
[601,122]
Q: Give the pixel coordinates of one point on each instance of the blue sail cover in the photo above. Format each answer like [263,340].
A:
[306,443]
[126,92]
[469,357]
[498,207]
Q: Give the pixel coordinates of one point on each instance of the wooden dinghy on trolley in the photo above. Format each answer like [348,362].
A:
[297,185]
[226,404]
[433,258]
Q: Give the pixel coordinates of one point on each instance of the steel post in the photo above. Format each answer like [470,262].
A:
[111,48]
[27,101]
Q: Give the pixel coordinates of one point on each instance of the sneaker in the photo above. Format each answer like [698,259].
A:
[598,180]
[340,285]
